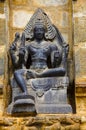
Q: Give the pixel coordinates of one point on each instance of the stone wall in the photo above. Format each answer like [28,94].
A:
[2,52]
[59,122]
[79,17]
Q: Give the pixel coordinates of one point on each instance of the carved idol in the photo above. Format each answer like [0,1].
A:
[40,70]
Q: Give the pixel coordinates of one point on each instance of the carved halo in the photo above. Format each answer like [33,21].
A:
[40,18]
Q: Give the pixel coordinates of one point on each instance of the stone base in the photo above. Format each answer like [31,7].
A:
[23,108]
[39,99]
[53,108]
[23,104]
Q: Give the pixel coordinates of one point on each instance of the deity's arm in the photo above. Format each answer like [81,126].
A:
[13,50]
[65,51]
[22,56]
[14,57]
[19,57]
[19,53]
[56,56]
[59,55]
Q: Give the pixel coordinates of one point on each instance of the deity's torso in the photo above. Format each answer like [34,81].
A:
[39,53]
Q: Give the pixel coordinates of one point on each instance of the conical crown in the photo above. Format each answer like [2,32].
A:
[40,18]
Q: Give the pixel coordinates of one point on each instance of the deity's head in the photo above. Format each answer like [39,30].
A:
[39,27]
[39,32]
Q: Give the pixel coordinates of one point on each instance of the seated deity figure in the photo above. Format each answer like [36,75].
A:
[35,55]
[39,51]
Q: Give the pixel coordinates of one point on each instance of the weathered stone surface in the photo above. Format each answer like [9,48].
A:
[50,2]
[65,36]
[80,58]
[41,122]
[80,77]
[41,2]
[79,29]
[79,8]
[2,48]
[18,2]
[20,18]
[1,105]
[1,8]
[1,66]
[53,108]
[81,95]
[2,30]
[80,104]
[2,60]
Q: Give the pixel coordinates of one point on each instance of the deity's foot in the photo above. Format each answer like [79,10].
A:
[32,74]
[24,93]
[24,96]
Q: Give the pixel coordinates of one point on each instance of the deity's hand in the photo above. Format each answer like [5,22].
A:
[31,74]
[57,57]
[66,47]
[22,53]
[56,54]
[13,47]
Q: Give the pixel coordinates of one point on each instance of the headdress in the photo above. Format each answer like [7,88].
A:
[40,18]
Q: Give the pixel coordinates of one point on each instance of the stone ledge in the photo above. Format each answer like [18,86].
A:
[81,91]
[43,122]
[80,84]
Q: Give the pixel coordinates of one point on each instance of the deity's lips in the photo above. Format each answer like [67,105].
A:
[39,35]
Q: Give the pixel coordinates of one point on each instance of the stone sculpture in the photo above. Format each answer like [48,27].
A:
[39,83]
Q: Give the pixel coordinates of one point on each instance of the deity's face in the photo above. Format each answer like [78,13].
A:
[39,32]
